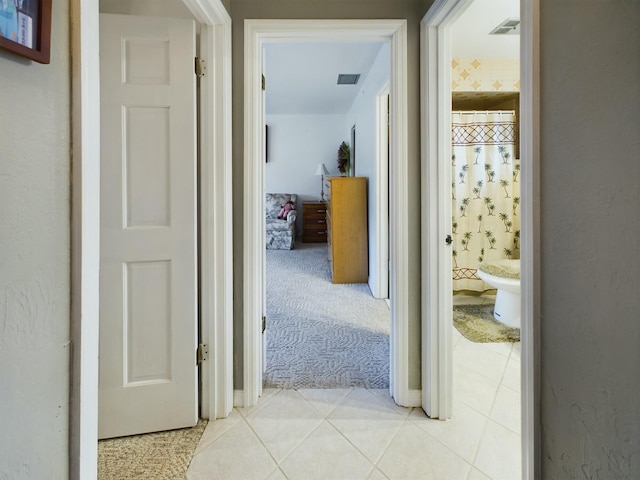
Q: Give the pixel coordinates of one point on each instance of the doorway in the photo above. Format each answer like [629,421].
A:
[215,44]
[310,110]
[258,32]
[437,335]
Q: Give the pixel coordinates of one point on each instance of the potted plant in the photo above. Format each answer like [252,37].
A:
[344,154]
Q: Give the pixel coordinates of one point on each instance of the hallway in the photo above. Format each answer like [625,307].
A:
[362,434]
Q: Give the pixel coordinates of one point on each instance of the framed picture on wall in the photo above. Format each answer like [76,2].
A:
[352,155]
[25,28]
[266,143]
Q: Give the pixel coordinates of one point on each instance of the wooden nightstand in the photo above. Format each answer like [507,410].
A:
[314,222]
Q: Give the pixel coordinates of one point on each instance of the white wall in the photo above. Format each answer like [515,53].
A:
[297,144]
[34,260]
[364,116]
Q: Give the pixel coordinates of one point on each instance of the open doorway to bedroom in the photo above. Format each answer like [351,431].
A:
[327,324]
[258,34]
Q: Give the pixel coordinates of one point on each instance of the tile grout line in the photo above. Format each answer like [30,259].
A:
[437,440]
[279,464]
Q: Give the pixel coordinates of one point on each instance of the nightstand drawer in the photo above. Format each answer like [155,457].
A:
[314,234]
[314,223]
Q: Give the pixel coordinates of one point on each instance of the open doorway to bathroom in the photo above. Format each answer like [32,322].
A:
[485,196]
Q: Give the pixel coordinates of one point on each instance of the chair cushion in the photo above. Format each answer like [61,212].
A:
[278,226]
[273,203]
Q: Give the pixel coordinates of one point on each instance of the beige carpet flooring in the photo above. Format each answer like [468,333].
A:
[320,334]
[156,456]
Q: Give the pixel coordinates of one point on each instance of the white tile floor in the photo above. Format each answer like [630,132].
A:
[361,434]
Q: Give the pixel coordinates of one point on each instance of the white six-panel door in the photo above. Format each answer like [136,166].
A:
[148,301]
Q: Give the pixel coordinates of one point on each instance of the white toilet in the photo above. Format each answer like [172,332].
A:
[504,275]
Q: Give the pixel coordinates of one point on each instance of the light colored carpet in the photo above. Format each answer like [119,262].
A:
[321,335]
[476,323]
[158,456]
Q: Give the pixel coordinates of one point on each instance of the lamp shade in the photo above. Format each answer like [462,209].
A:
[322,170]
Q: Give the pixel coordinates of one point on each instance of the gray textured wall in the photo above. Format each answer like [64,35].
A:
[590,232]
[34,260]
[331,9]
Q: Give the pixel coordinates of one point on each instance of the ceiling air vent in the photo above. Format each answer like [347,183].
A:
[511,26]
[348,78]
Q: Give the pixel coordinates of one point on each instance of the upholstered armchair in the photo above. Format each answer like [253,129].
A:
[280,234]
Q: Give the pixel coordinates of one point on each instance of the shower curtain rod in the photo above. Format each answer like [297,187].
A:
[473,112]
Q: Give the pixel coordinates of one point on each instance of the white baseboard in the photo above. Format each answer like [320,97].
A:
[414,398]
[238,398]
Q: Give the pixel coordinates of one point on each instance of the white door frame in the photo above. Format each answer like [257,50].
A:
[381,210]
[216,256]
[436,204]
[257,33]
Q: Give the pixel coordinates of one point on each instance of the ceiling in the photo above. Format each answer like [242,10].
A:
[301,78]
[470,32]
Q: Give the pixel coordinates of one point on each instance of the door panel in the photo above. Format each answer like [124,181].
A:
[148,323]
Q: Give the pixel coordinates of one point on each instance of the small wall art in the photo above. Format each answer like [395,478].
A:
[25,28]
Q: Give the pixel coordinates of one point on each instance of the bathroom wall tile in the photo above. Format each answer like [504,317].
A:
[326,454]
[499,455]
[414,454]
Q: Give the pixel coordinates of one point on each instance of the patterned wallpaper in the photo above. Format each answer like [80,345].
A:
[485,75]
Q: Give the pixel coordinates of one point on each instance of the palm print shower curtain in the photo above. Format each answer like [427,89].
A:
[486,194]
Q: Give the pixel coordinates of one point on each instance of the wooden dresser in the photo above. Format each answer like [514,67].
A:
[314,222]
[347,229]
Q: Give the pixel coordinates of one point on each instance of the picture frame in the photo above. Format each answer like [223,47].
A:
[352,159]
[25,28]
[266,143]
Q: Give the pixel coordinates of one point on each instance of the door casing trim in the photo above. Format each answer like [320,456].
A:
[85,223]
[436,267]
[256,33]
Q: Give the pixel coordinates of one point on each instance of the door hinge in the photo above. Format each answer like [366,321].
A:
[264,323]
[200,67]
[264,83]
[202,353]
